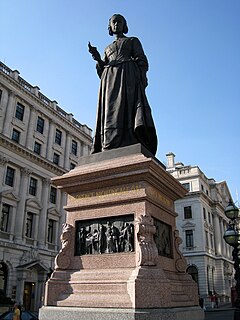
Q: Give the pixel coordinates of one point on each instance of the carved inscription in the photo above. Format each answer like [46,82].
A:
[158,196]
[106,192]
[104,235]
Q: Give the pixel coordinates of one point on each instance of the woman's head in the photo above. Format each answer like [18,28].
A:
[120,19]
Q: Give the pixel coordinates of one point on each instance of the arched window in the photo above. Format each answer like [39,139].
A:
[3,277]
[193,271]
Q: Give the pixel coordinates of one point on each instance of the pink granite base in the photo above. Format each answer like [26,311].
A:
[75,313]
[129,184]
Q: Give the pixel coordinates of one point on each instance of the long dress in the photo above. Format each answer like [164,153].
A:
[124,115]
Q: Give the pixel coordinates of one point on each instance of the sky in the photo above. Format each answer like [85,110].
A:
[193,49]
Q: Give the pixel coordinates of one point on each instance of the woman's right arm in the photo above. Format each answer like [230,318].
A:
[96,56]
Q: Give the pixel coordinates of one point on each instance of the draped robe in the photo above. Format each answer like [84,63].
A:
[123,115]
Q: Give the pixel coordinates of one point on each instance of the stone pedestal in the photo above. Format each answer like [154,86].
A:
[120,255]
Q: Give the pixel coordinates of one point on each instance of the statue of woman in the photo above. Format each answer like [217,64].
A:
[124,115]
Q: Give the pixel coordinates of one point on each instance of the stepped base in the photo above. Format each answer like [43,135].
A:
[66,313]
[126,192]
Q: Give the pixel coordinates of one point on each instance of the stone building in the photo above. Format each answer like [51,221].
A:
[38,140]
[201,223]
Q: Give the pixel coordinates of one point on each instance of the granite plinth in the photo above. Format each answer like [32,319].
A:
[148,282]
[117,153]
[66,313]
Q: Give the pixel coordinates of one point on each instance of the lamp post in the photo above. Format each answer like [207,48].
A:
[232,237]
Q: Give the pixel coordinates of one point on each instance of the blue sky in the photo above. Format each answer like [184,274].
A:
[193,48]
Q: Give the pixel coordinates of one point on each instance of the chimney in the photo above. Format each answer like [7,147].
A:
[170,160]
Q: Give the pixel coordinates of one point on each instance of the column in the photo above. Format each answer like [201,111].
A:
[79,149]
[3,107]
[21,277]
[63,144]
[223,243]
[50,140]
[217,233]
[210,277]
[4,99]
[31,127]
[36,227]
[62,218]
[39,293]
[81,144]
[85,149]
[67,151]
[56,235]
[12,222]
[45,139]
[20,217]
[3,161]
[9,114]
[43,213]
[59,200]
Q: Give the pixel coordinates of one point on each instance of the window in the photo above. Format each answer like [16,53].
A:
[0,95]
[9,179]
[29,225]
[72,166]
[74,147]
[204,213]
[19,111]
[37,148]
[58,137]
[187,212]
[209,217]
[207,239]
[193,271]
[186,186]
[3,278]
[50,230]
[56,158]
[16,135]
[212,241]
[189,238]
[40,124]
[5,217]
[33,186]
[207,192]
[53,195]
[202,187]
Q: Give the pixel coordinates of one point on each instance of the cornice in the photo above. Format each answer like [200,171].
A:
[199,194]
[27,154]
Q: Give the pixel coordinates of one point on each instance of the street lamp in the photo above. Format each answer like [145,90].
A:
[232,237]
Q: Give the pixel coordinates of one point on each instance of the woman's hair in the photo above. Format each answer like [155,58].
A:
[125,27]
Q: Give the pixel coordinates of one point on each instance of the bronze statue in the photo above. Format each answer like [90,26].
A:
[124,115]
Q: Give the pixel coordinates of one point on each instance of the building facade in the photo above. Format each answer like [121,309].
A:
[38,140]
[201,223]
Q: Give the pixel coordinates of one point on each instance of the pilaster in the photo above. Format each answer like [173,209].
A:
[3,162]
[3,107]
[67,151]
[30,129]
[9,114]
[50,140]
[20,217]
[43,213]
[217,232]
[21,277]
